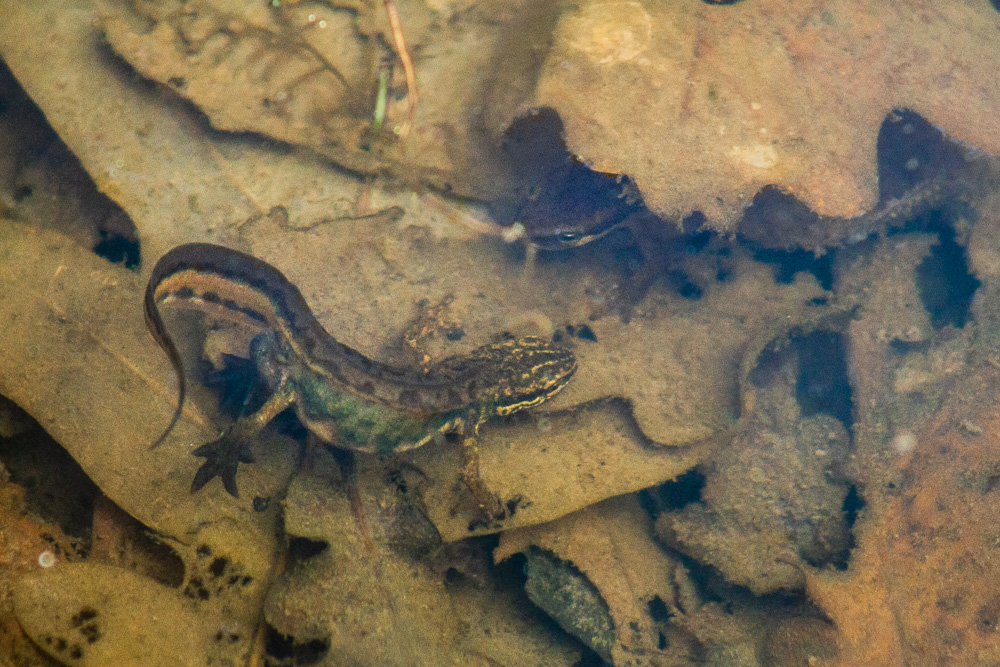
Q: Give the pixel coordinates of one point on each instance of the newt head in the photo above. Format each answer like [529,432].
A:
[522,373]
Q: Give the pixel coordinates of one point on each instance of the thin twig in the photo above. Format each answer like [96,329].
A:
[477,224]
[404,57]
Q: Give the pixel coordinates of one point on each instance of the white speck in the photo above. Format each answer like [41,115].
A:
[312,18]
[322,24]
[46,559]
[759,156]
[281,96]
[755,106]
[904,442]
[515,232]
[912,164]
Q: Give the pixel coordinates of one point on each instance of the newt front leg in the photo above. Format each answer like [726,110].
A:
[489,507]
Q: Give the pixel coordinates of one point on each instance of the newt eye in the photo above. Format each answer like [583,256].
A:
[570,237]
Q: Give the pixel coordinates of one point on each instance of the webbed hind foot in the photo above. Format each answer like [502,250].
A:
[231,449]
[223,457]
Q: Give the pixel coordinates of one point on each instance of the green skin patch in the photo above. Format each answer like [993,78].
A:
[366,426]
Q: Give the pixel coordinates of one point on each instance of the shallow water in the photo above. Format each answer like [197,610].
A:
[776,445]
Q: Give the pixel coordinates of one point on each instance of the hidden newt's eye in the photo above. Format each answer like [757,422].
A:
[570,237]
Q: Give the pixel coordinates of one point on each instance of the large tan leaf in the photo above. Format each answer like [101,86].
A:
[705,104]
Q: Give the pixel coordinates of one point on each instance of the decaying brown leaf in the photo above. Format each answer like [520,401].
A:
[80,365]
[88,613]
[367,577]
[773,499]
[705,104]
[307,74]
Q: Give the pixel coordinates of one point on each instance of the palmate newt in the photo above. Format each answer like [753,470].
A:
[575,205]
[340,395]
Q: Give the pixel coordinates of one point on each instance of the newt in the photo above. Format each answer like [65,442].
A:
[575,205]
[553,199]
[342,397]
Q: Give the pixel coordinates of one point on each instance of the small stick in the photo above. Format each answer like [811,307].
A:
[380,100]
[404,57]
[477,224]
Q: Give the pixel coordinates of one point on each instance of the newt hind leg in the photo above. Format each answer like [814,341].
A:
[223,457]
[489,510]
